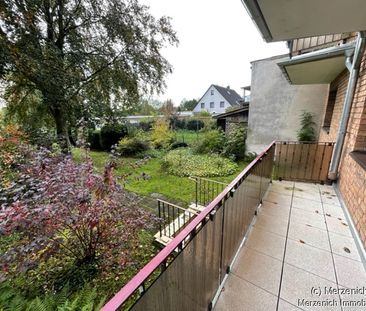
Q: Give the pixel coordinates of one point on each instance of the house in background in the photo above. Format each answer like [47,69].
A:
[276,106]
[217,99]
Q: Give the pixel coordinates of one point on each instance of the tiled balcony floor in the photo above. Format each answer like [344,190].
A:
[299,241]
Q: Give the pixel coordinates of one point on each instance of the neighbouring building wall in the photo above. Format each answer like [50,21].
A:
[276,106]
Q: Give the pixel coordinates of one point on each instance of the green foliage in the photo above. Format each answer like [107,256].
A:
[182,162]
[131,146]
[195,125]
[87,299]
[250,156]
[306,133]
[234,146]
[111,134]
[70,59]
[94,140]
[211,141]
[161,136]
[188,105]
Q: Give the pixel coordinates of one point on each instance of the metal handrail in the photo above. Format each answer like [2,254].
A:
[177,243]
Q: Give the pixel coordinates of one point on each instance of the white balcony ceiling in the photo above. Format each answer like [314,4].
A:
[318,67]
[281,20]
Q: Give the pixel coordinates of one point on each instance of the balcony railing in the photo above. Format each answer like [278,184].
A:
[188,272]
[207,190]
[173,219]
[308,161]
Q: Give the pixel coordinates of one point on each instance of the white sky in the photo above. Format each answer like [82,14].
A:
[218,40]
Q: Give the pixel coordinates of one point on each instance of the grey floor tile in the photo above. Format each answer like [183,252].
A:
[297,287]
[286,306]
[333,211]
[309,195]
[337,225]
[278,198]
[308,205]
[344,246]
[266,242]
[259,269]
[309,235]
[272,224]
[311,259]
[330,199]
[239,295]
[307,218]
[350,273]
[277,210]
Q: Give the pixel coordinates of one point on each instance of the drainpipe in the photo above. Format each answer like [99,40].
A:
[354,71]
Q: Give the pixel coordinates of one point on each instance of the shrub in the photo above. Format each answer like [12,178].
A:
[182,162]
[211,141]
[131,146]
[13,149]
[195,125]
[69,220]
[178,144]
[85,299]
[111,134]
[307,131]
[161,136]
[234,146]
[177,123]
[146,125]
[94,140]
[250,156]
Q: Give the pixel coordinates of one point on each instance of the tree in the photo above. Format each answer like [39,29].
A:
[168,109]
[307,132]
[82,56]
[188,105]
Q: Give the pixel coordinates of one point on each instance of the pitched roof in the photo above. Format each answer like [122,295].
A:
[230,95]
[232,112]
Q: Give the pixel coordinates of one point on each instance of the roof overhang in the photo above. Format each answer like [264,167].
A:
[318,67]
[283,20]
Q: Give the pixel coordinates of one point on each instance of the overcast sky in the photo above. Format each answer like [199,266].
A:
[218,41]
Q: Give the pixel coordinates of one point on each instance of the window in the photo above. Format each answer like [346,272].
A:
[202,105]
[212,105]
[222,104]
[212,92]
[329,111]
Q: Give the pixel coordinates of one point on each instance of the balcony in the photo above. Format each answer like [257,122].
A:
[257,244]
[299,240]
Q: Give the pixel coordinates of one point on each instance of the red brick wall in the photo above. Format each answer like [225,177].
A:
[352,181]
[341,81]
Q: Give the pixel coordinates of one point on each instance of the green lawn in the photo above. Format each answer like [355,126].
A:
[188,137]
[179,190]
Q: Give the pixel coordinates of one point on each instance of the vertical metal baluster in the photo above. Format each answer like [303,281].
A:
[315,157]
[160,219]
[299,170]
[169,225]
[292,158]
[173,220]
[196,192]
[164,218]
[204,192]
[321,163]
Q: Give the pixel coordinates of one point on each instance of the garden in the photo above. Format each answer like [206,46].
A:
[75,228]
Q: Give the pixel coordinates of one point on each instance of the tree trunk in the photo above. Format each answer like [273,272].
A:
[62,130]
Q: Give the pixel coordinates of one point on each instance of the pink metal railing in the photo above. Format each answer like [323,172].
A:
[187,273]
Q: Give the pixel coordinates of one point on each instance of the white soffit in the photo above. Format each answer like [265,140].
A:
[316,72]
[282,20]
